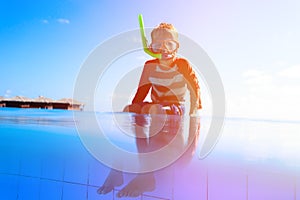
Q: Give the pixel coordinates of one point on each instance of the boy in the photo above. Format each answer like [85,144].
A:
[168,78]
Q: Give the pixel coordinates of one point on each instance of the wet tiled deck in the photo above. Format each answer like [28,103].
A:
[36,162]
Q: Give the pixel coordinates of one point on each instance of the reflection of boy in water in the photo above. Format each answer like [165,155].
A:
[168,78]
[171,136]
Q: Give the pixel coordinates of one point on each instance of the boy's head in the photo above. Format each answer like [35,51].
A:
[164,29]
[164,40]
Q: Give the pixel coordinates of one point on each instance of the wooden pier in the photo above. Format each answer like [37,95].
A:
[41,103]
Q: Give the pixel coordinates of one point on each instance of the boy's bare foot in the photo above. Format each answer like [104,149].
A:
[140,184]
[114,179]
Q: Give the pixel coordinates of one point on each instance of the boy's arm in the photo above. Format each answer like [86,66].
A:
[144,86]
[195,101]
[193,86]
[141,93]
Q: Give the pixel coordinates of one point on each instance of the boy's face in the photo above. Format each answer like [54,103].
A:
[165,42]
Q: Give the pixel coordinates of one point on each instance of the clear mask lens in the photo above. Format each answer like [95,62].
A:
[164,46]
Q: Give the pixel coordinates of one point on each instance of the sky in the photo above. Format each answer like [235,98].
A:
[255,46]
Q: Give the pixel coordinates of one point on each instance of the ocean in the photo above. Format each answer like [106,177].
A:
[60,154]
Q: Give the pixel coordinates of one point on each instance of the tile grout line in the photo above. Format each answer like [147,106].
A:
[295,188]
[63,180]
[247,187]
[40,178]
[88,182]
[19,173]
[207,185]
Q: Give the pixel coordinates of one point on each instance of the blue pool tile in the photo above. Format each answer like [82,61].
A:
[28,188]
[74,191]
[97,172]
[164,184]
[9,162]
[50,190]
[8,187]
[275,186]
[76,170]
[31,166]
[226,183]
[189,183]
[53,169]
[93,195]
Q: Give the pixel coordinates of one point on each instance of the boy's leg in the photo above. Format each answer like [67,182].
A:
[152,108]
[135,108]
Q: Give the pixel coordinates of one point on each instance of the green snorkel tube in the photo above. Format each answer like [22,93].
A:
[144,40]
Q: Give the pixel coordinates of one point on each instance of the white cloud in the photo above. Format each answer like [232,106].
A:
[257,77]
[253,72]
[267,95]
[59,20]
[45,21]
[7,93]
[63,21]
[291,72]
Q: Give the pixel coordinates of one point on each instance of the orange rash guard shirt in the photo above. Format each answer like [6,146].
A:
[168,84]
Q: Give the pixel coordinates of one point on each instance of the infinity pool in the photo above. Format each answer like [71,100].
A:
[49,154]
